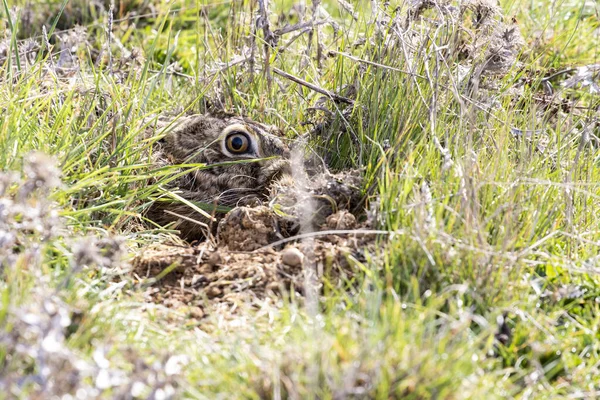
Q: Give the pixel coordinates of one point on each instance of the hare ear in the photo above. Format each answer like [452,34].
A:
[220,113]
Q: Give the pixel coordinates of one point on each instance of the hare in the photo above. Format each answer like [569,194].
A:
[240,159]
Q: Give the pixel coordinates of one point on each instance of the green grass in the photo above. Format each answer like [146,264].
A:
[488,227]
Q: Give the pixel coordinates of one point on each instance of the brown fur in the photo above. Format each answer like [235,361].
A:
[199,139]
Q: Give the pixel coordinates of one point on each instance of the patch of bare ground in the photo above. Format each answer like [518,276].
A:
[204,275]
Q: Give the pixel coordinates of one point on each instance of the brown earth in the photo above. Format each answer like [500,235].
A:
[205,275]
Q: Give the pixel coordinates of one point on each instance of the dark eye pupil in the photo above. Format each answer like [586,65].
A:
[237,143]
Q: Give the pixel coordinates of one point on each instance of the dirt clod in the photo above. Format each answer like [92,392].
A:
[292,257]
[247,229]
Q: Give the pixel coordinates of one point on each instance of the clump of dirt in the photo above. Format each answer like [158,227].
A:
[249,228]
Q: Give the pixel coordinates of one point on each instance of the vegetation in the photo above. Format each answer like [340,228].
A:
[475,127]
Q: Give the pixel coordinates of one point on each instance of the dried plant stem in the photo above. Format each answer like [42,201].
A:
[316,4]
[48,46]
[375,64]
[332,95]
[268,37]
[109,36]
[299,26]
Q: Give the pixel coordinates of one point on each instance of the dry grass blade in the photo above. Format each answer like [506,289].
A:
[332,95]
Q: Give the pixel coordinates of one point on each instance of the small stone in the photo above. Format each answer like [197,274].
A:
[196,313]
[213,291]
[214,259]
[292,257]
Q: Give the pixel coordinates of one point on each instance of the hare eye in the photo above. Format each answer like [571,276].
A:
[237,143]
